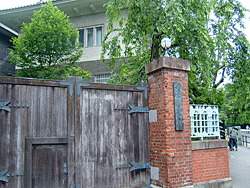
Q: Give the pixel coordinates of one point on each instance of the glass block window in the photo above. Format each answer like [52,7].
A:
[98,36]
[90,37]
[102,78]
[81,37]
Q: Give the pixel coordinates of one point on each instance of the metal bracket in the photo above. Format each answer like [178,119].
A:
[138,109]
[123,167]
[3,106]
[70,84]
[144,87]
[139,166]
[2,179]
[79,85]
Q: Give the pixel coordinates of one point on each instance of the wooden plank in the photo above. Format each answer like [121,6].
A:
[98,86]
[59,112]
[30,81]
[21,126]
[94,145]
[45,140]
[50,129]
[36,112]
[44,130]
[5,131]
[71,137]
[13,137]
[78,140]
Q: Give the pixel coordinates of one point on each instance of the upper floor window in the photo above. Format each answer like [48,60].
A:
[81,37]
[99,36]
[91,36]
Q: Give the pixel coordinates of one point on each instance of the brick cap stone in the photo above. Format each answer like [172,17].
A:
[209,144]
[168,62]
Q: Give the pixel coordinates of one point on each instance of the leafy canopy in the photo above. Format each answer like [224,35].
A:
[46,48]
[207,32]
[237,103]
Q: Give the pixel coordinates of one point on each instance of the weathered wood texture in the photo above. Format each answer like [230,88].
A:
[48,166]
[109,137]
[35,111]
[101,134]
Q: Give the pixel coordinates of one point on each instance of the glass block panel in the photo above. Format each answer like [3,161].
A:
[102,78]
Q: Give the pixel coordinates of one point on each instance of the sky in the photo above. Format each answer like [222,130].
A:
[5,4]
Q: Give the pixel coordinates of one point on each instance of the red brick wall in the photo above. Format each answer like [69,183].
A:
[171,151]
[210,164]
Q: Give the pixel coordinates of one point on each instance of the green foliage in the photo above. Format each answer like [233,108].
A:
[237,105]
[77,71]
[205,32]
[46,48]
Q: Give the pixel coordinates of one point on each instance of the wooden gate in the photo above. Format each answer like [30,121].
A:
[72,134]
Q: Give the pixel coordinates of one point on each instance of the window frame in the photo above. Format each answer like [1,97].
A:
[96,36]
[85,38]
[98,79]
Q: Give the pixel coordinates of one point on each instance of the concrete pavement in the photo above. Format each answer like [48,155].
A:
[239,164]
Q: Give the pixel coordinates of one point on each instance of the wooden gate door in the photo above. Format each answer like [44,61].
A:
[34,125]
[46,162]
[112,134]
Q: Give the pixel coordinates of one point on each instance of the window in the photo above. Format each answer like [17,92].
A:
[81,37]
[90,37]
[102,78]
[98,36]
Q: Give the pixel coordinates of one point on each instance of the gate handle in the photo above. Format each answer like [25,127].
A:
[65,169]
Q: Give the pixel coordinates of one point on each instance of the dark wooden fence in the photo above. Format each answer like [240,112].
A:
[72,134]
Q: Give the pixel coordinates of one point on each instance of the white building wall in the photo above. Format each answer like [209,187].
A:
[98,19]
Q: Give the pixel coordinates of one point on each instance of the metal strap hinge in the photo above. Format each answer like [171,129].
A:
[135,109]
[139,166]
[2,179]
[3,106]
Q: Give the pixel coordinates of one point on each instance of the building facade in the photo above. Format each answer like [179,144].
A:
[88,16]
[6,68]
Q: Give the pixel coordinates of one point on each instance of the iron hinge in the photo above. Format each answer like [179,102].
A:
[2,179]
[139,166]
[135,109]
[3,106]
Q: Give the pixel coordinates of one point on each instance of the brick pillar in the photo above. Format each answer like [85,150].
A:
[170,136]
